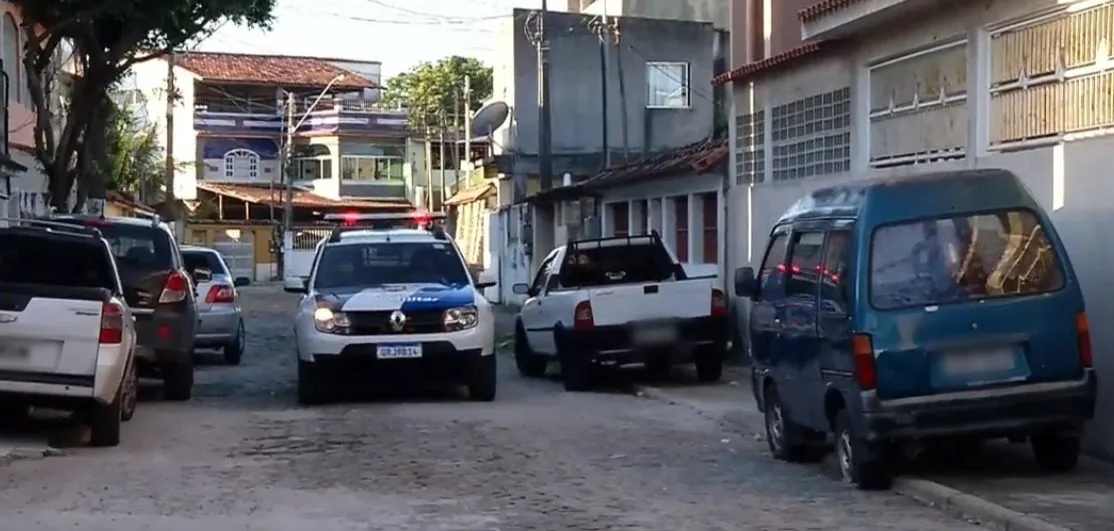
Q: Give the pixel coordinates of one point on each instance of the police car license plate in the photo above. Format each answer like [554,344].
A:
[399,351]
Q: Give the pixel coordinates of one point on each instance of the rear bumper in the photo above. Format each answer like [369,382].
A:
[613,345]
[217,326]
[441,361]
[993,412]
[165,335]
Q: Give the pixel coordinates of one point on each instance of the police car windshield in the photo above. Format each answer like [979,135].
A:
[360,265]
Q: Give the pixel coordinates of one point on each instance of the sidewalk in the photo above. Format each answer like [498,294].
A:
[998,486]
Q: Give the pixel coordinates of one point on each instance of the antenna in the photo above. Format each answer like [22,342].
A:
[489,118]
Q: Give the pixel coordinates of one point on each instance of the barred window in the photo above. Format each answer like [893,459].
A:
[750,149]
[812,136]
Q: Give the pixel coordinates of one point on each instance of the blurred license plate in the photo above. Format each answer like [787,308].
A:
[14,351]
[981,361]
[394,352]
[655,335]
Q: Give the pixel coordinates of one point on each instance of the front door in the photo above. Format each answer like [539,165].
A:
[536,318]
[765,326]
[798,342]
[835,369]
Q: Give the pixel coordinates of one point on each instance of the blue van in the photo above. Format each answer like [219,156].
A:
[914,310]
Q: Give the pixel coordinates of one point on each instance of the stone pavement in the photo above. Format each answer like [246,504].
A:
[998,485]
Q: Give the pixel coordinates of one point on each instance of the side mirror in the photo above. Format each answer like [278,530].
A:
[486,279]
[746,284]
[240,282]
[521,289]
[294,285]
[202,275]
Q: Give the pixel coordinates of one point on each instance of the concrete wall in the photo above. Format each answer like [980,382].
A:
[714,11]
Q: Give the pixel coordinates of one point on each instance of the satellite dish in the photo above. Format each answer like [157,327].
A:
[489,118]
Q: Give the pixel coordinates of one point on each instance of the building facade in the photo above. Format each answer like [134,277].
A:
[23,185]
[884,88]
[714,11]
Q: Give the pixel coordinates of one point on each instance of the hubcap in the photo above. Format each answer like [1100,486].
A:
[775,424]
[846,455]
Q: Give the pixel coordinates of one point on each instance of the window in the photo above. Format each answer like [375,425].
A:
[667,85]
[54,261]
[540,278]
[812,136]
[918,107]
[774,261]
[194,260]
[313,168]
[804,264]
[709,210]
[834,268]
[681,222]
[750,148]
[363,168]
[362,265]
[241,164]
[962,258]
[11,57]
[1052,76]
[616,264]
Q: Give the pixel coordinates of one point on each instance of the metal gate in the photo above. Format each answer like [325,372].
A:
[238,249]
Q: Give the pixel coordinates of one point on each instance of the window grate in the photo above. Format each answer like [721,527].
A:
[812,136]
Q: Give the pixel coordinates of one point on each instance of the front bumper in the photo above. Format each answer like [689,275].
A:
[316,344]
[613,345]
[440,361]
[992,412]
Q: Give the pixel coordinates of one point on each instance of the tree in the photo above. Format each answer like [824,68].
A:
[432,92]
[135,157]
[107,37]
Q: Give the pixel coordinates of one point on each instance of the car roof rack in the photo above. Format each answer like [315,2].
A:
[418,219]
[54,226]
[573,243]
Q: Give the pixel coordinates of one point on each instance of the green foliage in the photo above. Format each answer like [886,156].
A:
[107,37]
[135,159]
[433,92]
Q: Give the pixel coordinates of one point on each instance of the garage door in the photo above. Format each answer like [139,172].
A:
[238,249]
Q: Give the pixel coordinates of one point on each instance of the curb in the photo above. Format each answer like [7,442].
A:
[19,453]
[930,493]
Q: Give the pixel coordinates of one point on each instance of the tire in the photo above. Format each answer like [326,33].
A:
[577,372]
[310,391]
[177,380]
[129,399]
[483,382]
[783,437]
[859,466]
[1056,451]
[529,364]
[105,420]
[234,351]
[709,366]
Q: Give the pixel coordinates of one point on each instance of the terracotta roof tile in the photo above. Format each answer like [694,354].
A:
[825,7]
[280,70]
[782,59]
[263,195]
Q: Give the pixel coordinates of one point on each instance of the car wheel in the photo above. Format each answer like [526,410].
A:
[234,350]
[1056,451]
[104,421]
[130,398]
[310,391]
[709,365]
[482,383]
[782,435]
[177,380]
[529,364]
[858,465]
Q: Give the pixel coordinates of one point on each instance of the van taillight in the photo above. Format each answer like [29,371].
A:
[175,288]
[1083,337]
[866,373]
[719,303]
[112,323]
[582,318]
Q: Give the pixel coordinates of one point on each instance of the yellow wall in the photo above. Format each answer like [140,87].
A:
[203,234]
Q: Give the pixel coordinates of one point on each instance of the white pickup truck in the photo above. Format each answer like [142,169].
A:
[67,340]
[619,301]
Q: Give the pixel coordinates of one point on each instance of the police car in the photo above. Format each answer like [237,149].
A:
[389,297]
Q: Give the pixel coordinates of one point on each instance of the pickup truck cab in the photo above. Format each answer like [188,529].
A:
[618,301]
[66,335]
[908,311]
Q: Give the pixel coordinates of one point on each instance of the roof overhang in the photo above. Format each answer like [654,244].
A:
[835,19]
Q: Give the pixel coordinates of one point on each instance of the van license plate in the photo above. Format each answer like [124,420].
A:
[394,352]
[980,361]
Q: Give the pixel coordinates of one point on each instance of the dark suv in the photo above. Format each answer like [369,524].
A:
[160,293]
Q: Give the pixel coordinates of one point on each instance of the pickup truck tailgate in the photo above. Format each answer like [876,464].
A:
[622,304]
[42,332]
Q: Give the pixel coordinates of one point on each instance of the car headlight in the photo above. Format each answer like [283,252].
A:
[331,322]
[461,318]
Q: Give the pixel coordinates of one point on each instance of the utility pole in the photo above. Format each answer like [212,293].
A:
[441,149]
[605,56]
[545,155]
[170,199]
[287,185]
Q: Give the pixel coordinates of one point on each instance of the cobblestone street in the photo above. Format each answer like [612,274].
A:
[242,455]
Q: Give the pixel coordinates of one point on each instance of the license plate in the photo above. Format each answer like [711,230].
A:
[394,352]
[654,336]
[983,361]
[14,351]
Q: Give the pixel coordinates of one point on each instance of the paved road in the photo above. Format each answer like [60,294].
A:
[243,456]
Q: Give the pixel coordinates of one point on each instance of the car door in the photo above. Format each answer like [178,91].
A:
[535,318]
[798,343]
[834,323]
[764,322]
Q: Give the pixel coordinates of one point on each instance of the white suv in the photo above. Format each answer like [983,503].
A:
[388,303]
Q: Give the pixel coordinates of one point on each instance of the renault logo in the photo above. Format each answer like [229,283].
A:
[398,321]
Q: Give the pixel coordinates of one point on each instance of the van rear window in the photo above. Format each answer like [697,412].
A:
[962,258]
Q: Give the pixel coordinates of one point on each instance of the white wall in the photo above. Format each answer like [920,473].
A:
[512,264]
[150,78]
